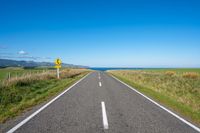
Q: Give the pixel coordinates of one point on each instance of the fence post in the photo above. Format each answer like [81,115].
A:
[9,76]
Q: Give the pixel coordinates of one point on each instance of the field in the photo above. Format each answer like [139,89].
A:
[31,87]
[177,70]
[18,71]
[178,89]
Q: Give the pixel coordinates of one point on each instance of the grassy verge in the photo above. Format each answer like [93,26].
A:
[178,70]
[184,101]
[18,71]
[20,95]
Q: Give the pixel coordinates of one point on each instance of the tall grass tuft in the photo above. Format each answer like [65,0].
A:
[170,73]
[191,75]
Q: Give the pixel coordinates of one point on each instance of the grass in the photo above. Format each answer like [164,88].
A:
[178,70]
[178,89]
[17,95]
[17,71]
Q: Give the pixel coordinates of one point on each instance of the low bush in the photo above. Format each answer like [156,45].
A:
[191,75]
[170,73]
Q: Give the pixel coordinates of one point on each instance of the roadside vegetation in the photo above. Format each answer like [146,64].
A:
[30,88]
[178,89]
[17,72]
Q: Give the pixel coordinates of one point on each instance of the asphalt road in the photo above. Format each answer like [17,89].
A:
[100,103]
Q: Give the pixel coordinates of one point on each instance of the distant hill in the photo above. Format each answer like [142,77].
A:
[15,63]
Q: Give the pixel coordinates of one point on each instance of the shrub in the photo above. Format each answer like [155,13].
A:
[191,75]
[170,73]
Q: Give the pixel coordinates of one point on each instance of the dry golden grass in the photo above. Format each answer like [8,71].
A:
[170,73]
[191,75]
[32,77]
[27,78]
[178,90]
[185,87]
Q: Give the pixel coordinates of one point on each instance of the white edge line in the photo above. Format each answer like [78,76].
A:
[104,115]
[175,115]
[100,84]
[43,107]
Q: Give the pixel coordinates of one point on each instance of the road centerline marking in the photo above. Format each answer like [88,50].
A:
[104,115]
[100,84]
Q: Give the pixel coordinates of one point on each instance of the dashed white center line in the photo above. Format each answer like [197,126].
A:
[104,115]
[100,84]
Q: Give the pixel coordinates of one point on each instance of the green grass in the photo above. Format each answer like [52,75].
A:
[176,92]
[23,94]
[181,70]
[17,72]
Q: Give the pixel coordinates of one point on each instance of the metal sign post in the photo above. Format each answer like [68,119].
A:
[58,66]
[58,73]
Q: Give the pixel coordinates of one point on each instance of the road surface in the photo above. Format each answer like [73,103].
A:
[101,104]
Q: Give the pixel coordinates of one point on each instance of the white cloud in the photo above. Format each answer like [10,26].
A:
[22,55]
[22,52]
[47,58]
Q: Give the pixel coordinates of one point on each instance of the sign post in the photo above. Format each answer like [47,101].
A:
[58,66]
[58,73]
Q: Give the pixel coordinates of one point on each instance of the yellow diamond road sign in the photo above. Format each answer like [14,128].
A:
[57,66]
[58,62]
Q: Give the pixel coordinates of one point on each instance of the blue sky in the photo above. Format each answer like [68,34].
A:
[108,33]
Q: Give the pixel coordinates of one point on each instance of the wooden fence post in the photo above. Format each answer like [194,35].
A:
[9,76]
